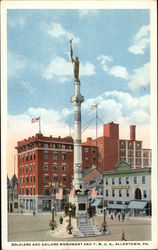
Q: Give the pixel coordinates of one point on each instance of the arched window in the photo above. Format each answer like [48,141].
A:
[138,195]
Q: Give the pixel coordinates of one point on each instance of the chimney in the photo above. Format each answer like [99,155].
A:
[132,132]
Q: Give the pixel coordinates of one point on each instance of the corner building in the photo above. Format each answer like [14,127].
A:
[112,149]
[44,165]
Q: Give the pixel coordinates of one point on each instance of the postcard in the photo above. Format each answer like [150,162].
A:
[79,125]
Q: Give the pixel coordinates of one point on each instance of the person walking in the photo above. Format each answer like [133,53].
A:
[123,236]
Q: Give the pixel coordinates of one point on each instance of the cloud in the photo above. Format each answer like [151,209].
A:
[16,21]
[141,41]
[63,70]
[121,107]
[140,77]
[26,87]
[104,60]
[56,30]
[15,64]
[119,71]
[83,13]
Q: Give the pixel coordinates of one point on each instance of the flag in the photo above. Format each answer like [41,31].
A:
[93,192]
[72,192]
[35,119]
[59,195]
[93,107]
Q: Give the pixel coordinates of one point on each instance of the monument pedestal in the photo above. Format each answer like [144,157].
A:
[81,203]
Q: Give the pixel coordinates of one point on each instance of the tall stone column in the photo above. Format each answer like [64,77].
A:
[77,99]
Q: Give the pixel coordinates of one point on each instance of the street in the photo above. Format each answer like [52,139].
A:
[36,228]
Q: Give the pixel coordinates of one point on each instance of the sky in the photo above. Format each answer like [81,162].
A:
[113,47]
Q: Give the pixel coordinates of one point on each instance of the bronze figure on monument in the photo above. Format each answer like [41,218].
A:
[75,62]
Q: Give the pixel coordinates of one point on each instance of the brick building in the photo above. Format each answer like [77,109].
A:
[12,193]
[112,149]
[44,164]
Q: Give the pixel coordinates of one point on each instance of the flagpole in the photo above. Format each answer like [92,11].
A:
[96,123]
[39,125]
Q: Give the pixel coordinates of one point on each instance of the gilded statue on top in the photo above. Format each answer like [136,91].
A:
[75,63]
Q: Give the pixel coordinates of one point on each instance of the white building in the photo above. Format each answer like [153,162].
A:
[127,189]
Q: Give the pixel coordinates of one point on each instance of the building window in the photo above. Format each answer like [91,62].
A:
[46,178]
[55,166]
[127,193]
[145,154]
[111,202]
[31,157]
[34,167]
[46,190]
[34,178]
[70,146]
[120,192]
[107,192]
[63,156]
[138,153]
[34,191]
[30,190]
[27,190]
[86,159]
[45,155]
[120,180]
[145,194]
[63,146]
[127,180]
[143,179]
[64,168]
[26,168]
[45,145]
[64,191]
[27,179]
[93,150]
[30,178]
[64,178]
[93,158]
[30,167]
[113,181]
[122,152]
[138,145]
[106,181]
[86,150]
[135,179]
[55,155]
[113,193]
[45,166]
[138,161]
[34,155]
[26,157]
[55,178]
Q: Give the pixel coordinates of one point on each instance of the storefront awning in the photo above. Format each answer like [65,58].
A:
[97,202]
[117,206]
[137,204]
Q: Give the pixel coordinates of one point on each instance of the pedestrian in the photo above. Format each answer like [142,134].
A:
[123,236]
[119,216]
[33,212]
[112,216]
[61,220]
[123,217]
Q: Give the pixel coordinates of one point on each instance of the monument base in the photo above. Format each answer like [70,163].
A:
[81,202]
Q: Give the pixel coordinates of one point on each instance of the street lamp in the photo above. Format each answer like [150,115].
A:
[70,209]
[52,217]
[104,223]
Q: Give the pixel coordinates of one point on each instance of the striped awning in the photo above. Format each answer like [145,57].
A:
[137,204]
[97,202]
[117,206]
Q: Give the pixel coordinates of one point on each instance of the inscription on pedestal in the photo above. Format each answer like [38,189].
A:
[81,206]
